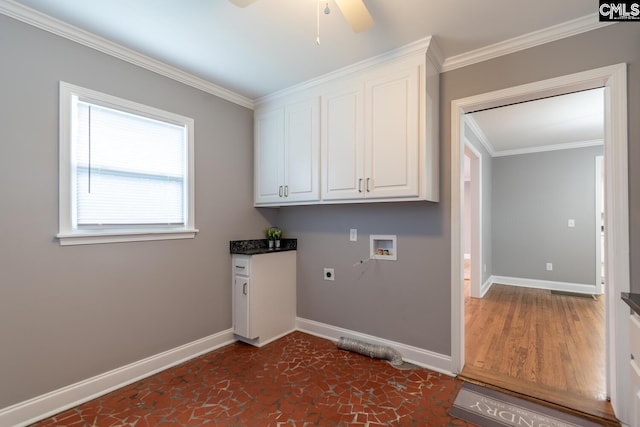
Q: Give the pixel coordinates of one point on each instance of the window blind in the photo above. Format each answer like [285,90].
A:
[129,169]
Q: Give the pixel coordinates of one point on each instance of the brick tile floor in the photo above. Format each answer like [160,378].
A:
[298,380]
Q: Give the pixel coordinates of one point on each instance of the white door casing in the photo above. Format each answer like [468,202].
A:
[613,79]
[600,229]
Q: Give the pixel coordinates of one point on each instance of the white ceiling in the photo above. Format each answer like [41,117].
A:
[566,121]
[270,45]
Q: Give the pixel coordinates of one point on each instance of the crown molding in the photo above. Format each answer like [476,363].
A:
[536,38]
[47,23]
[424,45]
[545,148]
[434,53]
[477,131]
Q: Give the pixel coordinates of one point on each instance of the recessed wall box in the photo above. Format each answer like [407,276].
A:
[383,247]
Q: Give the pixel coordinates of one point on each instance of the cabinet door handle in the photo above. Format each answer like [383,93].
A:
[240,266]
[280,191]
[244,288]
[368,179]
[360,185]
[286,191]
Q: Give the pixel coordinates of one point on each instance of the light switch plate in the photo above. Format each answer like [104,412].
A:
[353,234]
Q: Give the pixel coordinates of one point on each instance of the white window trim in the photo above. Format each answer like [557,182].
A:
[69,234]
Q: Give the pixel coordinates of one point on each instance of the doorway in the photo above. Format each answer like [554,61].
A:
[473,218]
[541,199]
[600,229]
[613,79]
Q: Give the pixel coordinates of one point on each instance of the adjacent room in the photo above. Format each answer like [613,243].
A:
[152,151]
[536,322]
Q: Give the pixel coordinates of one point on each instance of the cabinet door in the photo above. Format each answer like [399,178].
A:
[342,144]
[634,349]
[241,320]
[635,394]
[302,152]
[392,134]
[268,156]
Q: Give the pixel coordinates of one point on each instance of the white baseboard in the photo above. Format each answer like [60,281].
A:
[486,286]
[417,356]
[545,284]
[44,406]
[49,404]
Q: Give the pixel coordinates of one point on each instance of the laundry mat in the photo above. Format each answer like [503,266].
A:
[490,408]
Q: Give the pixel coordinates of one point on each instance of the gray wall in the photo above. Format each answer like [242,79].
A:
[534,196]
[410,300]
[487,190]
[69,313]
[396,300]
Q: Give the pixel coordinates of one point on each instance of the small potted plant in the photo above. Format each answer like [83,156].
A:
[277,235]
[273,235]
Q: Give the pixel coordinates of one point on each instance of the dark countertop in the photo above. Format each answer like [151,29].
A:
[633,300]
[260,246]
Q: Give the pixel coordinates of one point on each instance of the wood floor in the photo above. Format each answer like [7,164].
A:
[547,346]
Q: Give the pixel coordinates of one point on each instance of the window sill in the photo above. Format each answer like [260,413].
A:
[119,236]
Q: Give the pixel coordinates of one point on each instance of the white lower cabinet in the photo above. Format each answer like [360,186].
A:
[634,344]
[264,296]
[241,307]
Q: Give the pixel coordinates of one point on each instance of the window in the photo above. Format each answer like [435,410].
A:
[126,170]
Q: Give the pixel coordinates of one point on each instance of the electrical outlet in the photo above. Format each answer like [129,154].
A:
[571,223]
[353,234]
[329,274]
[549,266]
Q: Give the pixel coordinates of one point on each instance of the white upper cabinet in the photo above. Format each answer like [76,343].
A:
[367,134]
[370,138]
[302,152]
[269,156]
[343,144]
[392,135]
[287,154]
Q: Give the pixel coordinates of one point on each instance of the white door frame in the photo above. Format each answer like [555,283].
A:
[614,79]
[475,201]
[599,209]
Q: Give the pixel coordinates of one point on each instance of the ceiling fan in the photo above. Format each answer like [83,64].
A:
[354,11]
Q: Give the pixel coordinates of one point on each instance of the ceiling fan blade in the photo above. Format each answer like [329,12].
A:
[356,14]
[242,3]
